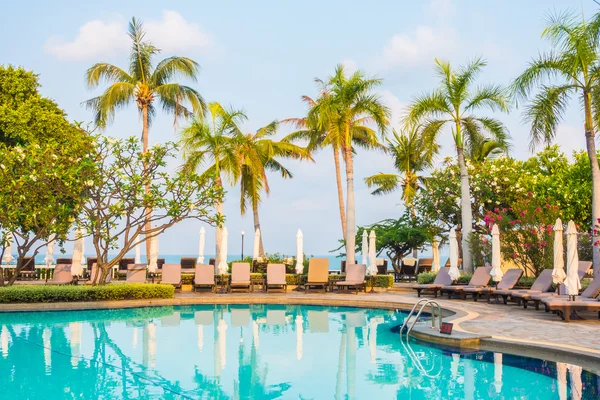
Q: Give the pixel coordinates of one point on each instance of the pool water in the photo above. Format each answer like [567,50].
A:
[257,352]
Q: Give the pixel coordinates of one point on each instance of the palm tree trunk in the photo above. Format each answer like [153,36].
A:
[466,212]
[147,225]
[261,250]
[350,211]
[590,141]
[218,230]
[338,179]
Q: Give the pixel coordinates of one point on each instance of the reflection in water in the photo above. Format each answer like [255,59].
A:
[214,352]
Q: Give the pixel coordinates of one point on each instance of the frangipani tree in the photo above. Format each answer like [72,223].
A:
[116,211]
[571,68]
[455,104]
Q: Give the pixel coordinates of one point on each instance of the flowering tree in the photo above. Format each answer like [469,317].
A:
[118,205]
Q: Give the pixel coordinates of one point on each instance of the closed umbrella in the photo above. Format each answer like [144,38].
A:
[365,247]
[572,282]
[49,259]
[372,269]
[496,271]
[201,246]
[453,272]
[299,253]
[223,263]
[153,261]
[138,253]
[435,265]
[8,257]
[255,250]
[558,273]
[76,262]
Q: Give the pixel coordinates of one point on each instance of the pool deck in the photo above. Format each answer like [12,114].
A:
[496,324]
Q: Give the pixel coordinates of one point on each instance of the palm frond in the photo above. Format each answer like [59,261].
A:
[545,112]
[384,183]
[105,72]
[172,67]
[115,97]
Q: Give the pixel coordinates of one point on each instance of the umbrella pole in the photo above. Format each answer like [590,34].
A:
[372,288]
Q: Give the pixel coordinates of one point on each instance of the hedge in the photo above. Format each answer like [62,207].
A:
[429,277]
[383,281]
[55,293]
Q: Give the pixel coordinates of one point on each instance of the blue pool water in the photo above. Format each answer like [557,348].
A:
[257,352]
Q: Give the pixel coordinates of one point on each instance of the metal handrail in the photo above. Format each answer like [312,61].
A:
[411,313]
[431,304]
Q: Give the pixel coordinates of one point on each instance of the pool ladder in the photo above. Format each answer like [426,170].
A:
[423,303]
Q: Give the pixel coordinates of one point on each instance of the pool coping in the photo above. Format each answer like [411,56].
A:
[588,358]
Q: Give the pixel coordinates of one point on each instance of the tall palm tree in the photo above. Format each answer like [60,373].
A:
[317,139]
[412,153]
[571,68]
[144,83]
[258,153]
[453,104]
[211,143]
[346,113]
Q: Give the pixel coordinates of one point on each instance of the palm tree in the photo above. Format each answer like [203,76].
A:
[454,103]
[412,153]
[572,68]
[488,148]
[212,142]
[345,113]
[258,153]
[144,83]
[318,139]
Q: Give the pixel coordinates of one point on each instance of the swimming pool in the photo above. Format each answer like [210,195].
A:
[257,352]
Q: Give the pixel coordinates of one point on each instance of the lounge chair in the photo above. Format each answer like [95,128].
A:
[94,270]
[567,309]
[355,277]
[424,265]
[448,263]
[28,271]
[481,278]
[188,265]
[589,294]
[204,277]
[543,283]
[136,273]
[408,268]
[240,277]
[276,277]
[62,275]
[64,261]
[124,264]
[318,274]
[171,275]
[508,281]
[441,279]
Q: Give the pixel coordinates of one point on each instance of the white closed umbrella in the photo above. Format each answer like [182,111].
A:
[153,261]
[365,247]
[496,271]
[200,259]
[8,257]
[435,248]
[138,253]
[453,272]
[372,267]
[498,372]
[222,267]
[76,262]
[49,259]
[558,272]
[572,282]
[255,249]
[299,332]
[299,253]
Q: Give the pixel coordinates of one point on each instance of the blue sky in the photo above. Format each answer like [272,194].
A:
[262,56]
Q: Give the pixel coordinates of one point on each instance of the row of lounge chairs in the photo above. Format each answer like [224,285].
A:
[539,294]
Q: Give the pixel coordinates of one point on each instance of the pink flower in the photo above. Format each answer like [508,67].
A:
[523,213]
[515,254]
[499,218]
[537,209]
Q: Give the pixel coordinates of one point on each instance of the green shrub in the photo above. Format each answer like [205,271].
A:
[55,293]
[464,278]
[526,281]
[425,278]
[382,281]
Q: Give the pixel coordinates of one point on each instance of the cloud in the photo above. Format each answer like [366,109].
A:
[417,48]
[350,66]
[397,107]
[97,38]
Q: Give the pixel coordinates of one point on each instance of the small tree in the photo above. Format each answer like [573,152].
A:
[119,206]
[42,189]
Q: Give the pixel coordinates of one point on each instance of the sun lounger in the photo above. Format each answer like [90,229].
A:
[204,277]
[276,277]
[62,275]
[171,275]
[355,277]
[590,293]
[94,270]
[28,271]
[560,292]
[136,273]
[441,279]
[481,278]
[188,265]
[124,264]
[567,309]
[240,277]
[318,274]
[424,265]
[508,281]
[543,283]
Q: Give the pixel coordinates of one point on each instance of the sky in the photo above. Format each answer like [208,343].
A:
[261,56]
